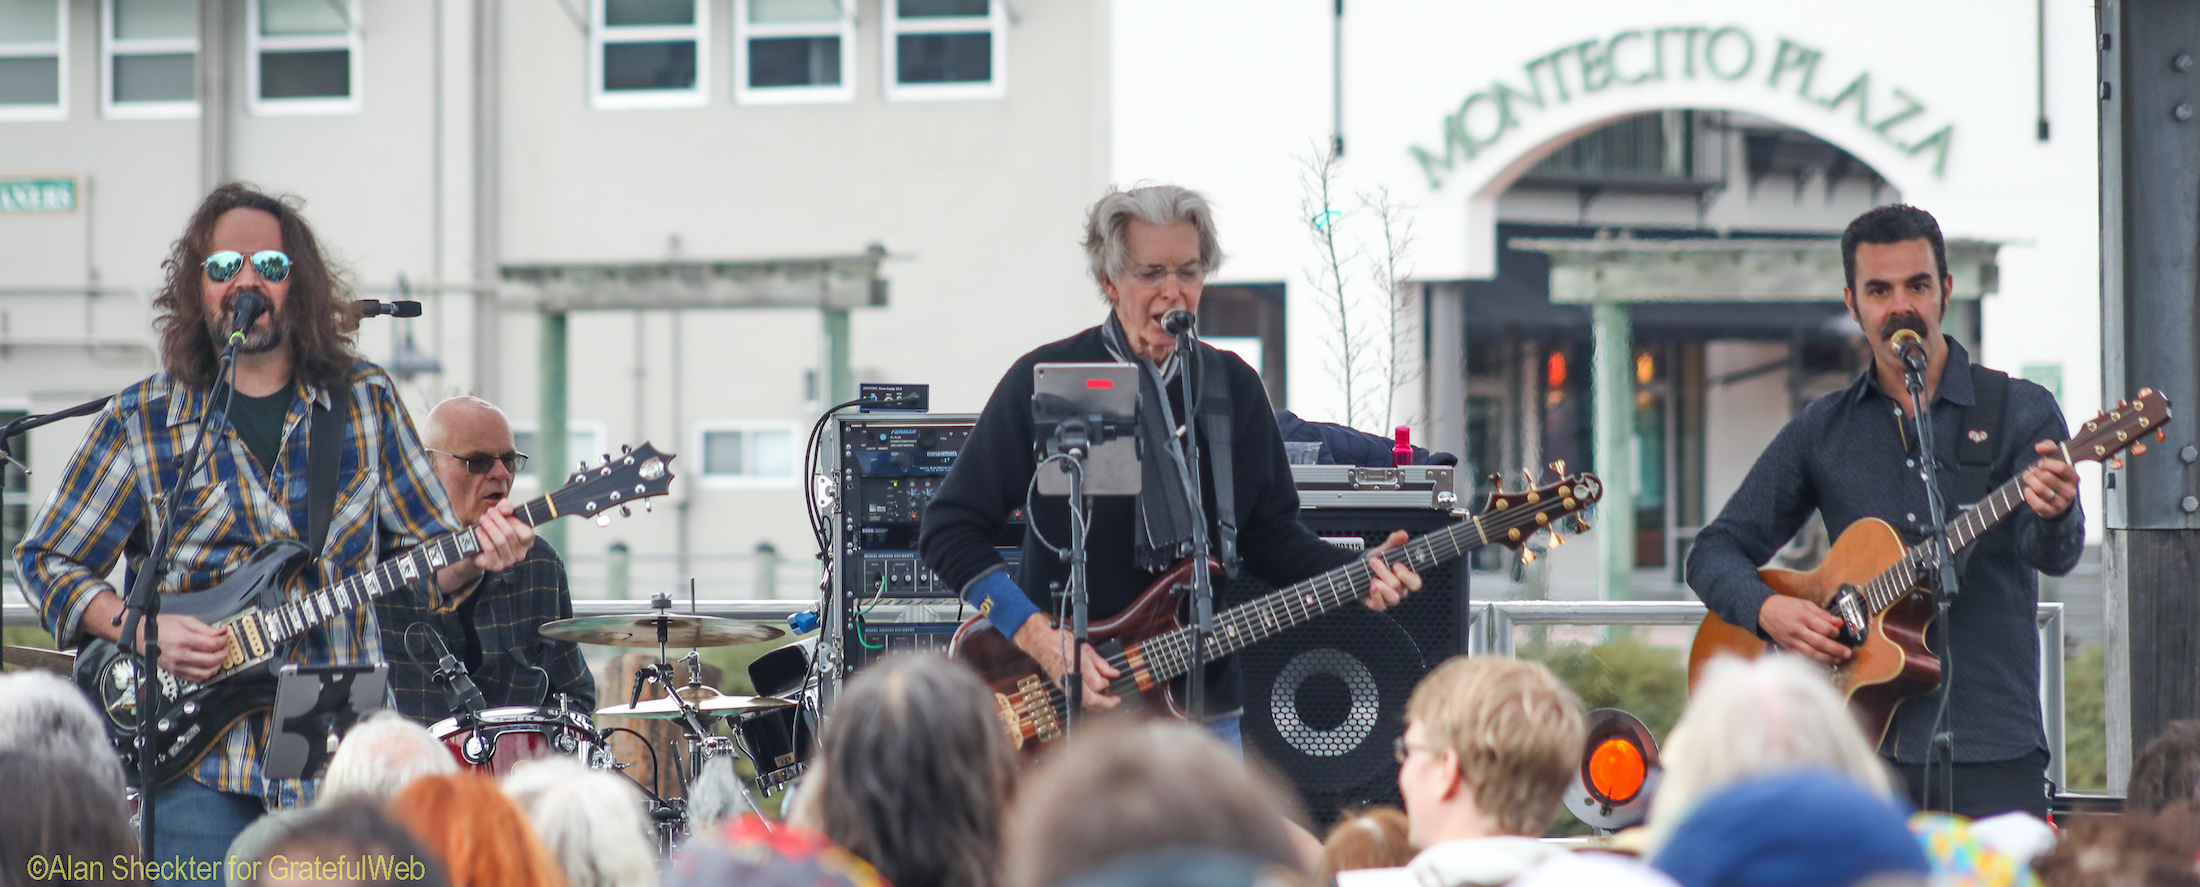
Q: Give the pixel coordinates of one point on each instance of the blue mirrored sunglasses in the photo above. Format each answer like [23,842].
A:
[271,265]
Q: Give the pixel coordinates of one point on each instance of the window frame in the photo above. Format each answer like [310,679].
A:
[618,100]
[354,40]
[706,480]
[744,31]
[598,431]
[59,51]
[111,46]
[893,26]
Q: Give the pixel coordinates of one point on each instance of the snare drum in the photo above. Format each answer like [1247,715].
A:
[498,739]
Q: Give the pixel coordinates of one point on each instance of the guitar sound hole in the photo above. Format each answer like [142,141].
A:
[1324,702]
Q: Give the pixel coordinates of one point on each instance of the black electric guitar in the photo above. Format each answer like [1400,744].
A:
[1148,645]
[263,622]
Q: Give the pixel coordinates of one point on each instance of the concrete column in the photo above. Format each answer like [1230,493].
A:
[1446,406]
[218,92]
[618,571]
[550,425]
[1613,396]
[836,381]
[767,570]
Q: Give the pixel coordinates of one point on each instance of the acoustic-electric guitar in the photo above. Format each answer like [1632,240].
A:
[1871,580]
[1149,645]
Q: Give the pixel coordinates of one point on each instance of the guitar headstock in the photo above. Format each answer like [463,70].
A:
[1512,519]
[2128,425]
[636,474]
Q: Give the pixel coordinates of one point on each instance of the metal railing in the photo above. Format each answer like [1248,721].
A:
[1491,631]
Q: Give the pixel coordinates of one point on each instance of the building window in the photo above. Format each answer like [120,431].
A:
[305,56]
[32,58]
[747,453]
[584,441]
[946,49]
[649,54]
[151,49]
[793,51]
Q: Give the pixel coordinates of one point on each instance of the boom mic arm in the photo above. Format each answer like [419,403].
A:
[379,308]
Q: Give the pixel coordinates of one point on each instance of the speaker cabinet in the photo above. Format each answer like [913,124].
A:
[1325,701]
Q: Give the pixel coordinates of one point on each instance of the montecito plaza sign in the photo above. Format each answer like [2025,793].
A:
[1727,55]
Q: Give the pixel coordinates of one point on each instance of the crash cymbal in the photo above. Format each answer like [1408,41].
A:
[705,699]
[641,631]
[57,661]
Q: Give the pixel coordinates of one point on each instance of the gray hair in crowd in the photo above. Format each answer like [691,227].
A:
[589,820]
[381,755]
[44,715]
[1750,717]
[1106,247]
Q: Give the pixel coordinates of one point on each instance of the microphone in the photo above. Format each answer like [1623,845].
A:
[448,670]
[1909,346]
[1179,322]
[244,312]
[379,308]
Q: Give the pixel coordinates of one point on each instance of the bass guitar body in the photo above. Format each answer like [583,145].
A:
[1031,707]
[1891,665]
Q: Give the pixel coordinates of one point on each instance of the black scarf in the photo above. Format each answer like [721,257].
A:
[1165,518]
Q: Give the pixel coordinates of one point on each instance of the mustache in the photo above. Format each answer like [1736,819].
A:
[1898,322]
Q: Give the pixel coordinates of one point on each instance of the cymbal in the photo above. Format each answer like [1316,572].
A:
[630,630]
[59,661]
[705,699]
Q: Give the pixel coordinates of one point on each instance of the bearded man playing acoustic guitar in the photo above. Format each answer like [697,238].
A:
[1150,251]
[1853,454]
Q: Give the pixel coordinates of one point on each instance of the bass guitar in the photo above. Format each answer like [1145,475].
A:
[263,623]
[1149,645]
[1872,581]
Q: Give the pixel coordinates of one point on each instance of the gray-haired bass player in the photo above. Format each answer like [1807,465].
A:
[1853,454]
[1150,250]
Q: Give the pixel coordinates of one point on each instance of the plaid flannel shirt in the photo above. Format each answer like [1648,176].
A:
[514,665]
[388,501]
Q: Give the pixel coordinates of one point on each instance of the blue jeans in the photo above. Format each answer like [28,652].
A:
[1226,729]
[194,823]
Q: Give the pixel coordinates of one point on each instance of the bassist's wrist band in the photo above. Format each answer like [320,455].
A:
[1000,602]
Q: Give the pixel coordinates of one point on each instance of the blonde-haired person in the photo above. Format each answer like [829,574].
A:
[590,821]
[1750,717]
[1489,748]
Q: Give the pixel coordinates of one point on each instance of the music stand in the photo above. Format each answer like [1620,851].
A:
[314,706]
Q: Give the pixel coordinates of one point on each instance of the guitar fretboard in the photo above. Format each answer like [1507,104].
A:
[1896,582]
[420,564]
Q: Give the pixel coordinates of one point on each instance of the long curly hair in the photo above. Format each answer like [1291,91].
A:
[317,319]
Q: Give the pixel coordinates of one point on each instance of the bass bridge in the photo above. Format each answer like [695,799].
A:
[1848,606]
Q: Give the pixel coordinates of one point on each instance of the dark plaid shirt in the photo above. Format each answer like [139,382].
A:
[496,631]
[1850,455]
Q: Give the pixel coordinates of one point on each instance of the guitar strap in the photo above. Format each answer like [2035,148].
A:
[1215,415]
[1981,433]
[324,455]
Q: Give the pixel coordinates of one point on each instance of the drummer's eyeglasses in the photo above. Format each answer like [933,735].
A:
[513,461]
[272,265]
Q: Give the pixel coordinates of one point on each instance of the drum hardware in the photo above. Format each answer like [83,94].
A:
[660,630]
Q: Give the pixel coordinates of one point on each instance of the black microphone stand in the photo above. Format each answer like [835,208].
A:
[1947,585]
[1203,587]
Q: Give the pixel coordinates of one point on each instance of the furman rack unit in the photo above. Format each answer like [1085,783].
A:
[886,469]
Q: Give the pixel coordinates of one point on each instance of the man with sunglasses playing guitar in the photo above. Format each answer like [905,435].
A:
[1854,454]
[249,488]
[492,627]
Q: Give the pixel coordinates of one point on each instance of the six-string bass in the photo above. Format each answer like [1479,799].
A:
[1147,643]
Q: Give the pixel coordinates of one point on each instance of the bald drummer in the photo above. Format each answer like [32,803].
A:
[492,626]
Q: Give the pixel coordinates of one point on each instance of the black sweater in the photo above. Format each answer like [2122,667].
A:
[989,479]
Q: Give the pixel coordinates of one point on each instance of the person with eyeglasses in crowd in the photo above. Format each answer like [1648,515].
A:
[492,626]
[249,488]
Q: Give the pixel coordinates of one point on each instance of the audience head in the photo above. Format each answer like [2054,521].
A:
[44,714]
[2167,771]
[1142,787]
[590,820]
[1366,839]
[1799,828]
[1747,717]
[914,733]
[748,853]
[345,831]
[1490,745]
[478,833]
[2119,851]
[381,755]
[57,806]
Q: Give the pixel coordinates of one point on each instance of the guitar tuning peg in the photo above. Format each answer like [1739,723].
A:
[607,458]
[2138,449]
[583,464]
[1581,524]
[646,507]
[625,449]
[2116,464]
[1527,556]
[2161,434]
[625,511]
[1557,540]
[1497,481]
[1529,473]
[1558,467]
[603,520]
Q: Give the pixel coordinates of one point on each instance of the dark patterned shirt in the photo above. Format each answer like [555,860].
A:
[1851,455]
[496,631]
